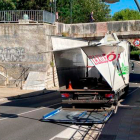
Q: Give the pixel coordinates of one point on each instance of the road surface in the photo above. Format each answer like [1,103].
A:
[20,120]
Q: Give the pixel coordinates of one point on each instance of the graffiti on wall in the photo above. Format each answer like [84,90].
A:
[12,54]
[19,55]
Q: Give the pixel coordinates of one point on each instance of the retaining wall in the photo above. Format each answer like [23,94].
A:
[19,47]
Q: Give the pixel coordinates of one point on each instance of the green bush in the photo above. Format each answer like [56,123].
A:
[135,55]
[133,48]
[65,34]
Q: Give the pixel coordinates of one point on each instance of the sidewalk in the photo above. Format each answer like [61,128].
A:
[125,125]
[16,93]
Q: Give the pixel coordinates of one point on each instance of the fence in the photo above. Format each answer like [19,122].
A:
[31,15]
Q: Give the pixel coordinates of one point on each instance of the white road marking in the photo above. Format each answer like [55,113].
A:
[95,134]
[28,112]
[73,131]
[116,109]
[67,133]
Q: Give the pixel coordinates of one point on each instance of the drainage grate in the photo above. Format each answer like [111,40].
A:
[107,137]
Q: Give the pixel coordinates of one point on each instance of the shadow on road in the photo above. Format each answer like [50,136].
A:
[10,115]
[4,115]
[42,100]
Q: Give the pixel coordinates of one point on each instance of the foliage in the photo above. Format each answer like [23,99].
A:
[81,10]
[8,4]
[52,64]
[100,9]
[65,34]
[135,52]
[135,55]
[126,14]
[25,5]
[133,48]
[34,5]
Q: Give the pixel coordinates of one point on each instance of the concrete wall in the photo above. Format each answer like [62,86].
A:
[20,44]
[19,47]
[124,29]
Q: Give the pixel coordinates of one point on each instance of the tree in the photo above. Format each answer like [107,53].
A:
[126,14]
[34,5]
[81,10]
[100,9]
[63,8]
[8,4]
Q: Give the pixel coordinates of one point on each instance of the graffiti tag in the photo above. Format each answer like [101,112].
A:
[12,54]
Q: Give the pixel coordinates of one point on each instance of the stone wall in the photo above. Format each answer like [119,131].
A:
[124,29]
[19,47]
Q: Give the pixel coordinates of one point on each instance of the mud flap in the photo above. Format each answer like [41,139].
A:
[77,117]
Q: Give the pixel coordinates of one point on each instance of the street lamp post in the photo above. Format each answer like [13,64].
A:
[55,9]
[70,11]
[137,4]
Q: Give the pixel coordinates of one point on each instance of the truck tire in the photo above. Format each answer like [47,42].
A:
[116,99]
[126,89]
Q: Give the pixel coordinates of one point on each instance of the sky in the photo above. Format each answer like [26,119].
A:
[123,4]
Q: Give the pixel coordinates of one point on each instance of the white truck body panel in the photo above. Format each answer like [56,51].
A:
[105,64]
[109,56]
[60,43]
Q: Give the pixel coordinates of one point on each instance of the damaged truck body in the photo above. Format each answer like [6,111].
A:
[92,77]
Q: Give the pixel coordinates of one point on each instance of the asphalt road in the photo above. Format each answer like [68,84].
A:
[20,120]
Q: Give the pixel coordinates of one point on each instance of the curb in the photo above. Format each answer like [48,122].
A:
[2,100]
[138,62]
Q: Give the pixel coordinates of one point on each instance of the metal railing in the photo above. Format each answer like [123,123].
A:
[39,16]
[21,79]
[3,73]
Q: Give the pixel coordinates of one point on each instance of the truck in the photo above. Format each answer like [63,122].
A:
[92,76]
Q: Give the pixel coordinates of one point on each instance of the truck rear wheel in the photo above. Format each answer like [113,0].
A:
[126,89]
[116,99]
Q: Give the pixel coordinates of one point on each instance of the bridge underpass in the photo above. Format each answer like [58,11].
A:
[129,30]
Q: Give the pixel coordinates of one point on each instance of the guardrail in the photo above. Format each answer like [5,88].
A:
[39,16]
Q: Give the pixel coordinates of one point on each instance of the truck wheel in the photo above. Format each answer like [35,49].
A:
[116,99]
[126,89]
